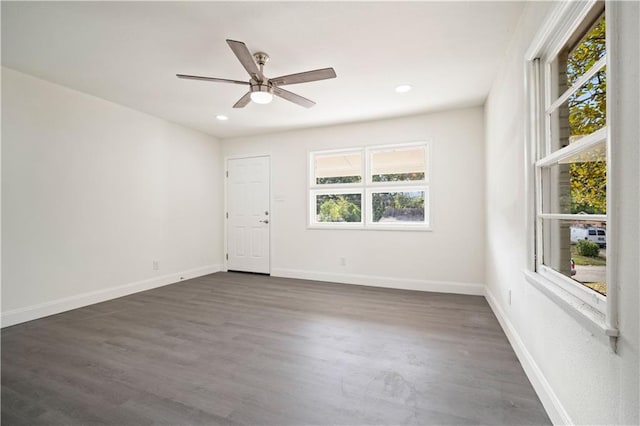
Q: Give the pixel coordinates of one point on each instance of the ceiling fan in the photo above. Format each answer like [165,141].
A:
[261,88]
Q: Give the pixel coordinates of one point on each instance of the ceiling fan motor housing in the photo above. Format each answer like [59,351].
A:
[261,87]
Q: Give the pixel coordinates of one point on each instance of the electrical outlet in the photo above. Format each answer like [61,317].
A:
[156,265]
[343,261]
[509,297]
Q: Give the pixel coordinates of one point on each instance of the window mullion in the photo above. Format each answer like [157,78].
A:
[366,182]
[575,148]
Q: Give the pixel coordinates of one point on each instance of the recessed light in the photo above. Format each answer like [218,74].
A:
[222,117]
[403,88]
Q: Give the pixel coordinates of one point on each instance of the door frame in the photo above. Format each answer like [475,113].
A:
[225,250]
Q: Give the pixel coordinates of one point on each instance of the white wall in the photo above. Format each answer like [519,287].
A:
[93,193]
[577,376]
[450,258]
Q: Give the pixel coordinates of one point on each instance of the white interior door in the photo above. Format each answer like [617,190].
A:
[248,214]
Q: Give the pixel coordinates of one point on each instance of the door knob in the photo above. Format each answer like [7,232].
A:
[265,221]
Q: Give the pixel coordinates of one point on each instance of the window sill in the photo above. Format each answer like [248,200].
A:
[370,228]
[589,317]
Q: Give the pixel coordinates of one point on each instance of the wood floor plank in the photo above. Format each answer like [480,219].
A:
[243,349]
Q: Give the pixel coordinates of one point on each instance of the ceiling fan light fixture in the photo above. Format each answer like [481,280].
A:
[261,97]
[261,94]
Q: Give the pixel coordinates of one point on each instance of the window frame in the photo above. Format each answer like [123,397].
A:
[589,307]
[367,187]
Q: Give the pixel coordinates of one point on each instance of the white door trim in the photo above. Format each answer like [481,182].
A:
[226,206]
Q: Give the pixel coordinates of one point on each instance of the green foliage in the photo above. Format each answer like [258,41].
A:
[390,177]
[339,208]
[338,179]
[587,113]
[587,248]
[587,52]
[580,260]
[589,187]
[396,177]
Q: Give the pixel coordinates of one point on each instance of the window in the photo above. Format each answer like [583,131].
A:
[570,144]
[382,187]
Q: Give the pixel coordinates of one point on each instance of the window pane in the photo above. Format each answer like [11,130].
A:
[582,114]
[398,207]
[581,56]
[402,164]
[338,168]
[577,249]
[339,207]
[577,185]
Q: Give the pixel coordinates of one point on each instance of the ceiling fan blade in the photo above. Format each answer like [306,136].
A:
[292,97]
[243,101]
[219,80]
[246,59]
[304,77]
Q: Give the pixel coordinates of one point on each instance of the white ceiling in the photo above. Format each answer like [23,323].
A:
[129,53]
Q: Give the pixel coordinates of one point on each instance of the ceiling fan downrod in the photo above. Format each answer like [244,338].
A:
[261,59]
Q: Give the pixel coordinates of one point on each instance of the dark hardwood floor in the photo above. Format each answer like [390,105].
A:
[243,349]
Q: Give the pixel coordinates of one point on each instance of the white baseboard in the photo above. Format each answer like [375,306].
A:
[20,315]
[387,282]
[548,397]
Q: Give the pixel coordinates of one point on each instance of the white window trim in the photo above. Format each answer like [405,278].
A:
[598,314]
[367,187]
